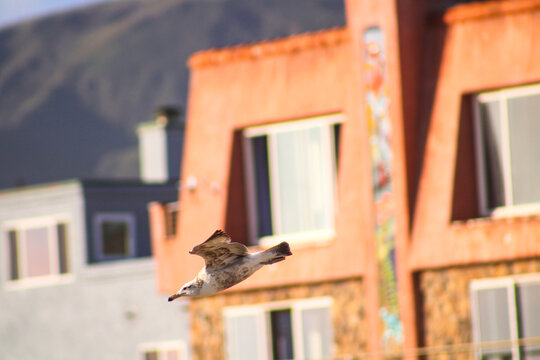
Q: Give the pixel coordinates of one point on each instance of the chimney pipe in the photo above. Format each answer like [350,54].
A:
[160,145]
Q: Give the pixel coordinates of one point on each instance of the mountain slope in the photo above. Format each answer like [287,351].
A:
[73,86]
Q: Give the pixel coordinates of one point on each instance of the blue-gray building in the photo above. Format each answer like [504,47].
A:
[77,276]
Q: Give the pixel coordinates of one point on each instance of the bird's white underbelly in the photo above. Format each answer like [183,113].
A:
[229,276]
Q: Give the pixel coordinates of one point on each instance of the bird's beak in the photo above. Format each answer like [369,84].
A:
[174,296]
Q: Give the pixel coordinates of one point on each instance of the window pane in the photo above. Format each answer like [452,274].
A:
[524,129]
[13,255]
[317,333]
[505,356]
[63,265]
[241,337]
[530,352]
[259,147]
[494,319]
[172,355]
[151,355]
[528,303]
[290,181]
[115,237]
[493,155]
[337,137]
[304,180]
[171,221]
[37,252]
[282,341]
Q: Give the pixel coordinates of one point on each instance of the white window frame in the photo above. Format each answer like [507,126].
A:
[262,313]
[501,96]
[129,219]
[319,236]
[261,330]
[20,226]
[509,283]
[161,347]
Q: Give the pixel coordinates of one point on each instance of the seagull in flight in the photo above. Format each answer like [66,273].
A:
[226,264]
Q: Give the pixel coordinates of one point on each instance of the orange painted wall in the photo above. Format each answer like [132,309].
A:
[234,94]
[487,46]
[433,67]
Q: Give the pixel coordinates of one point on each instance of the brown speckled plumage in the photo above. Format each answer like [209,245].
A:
[226,264]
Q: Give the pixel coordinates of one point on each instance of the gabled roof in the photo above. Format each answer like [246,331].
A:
[290,44]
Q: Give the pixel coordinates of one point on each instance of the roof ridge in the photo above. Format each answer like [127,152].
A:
[477,10]
[289,44]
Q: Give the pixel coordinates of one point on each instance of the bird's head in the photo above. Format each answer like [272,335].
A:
[188,289]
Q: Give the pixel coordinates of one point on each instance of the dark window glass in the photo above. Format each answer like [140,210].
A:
[151,355]
[337,138]
[115,238]
[13,255]
[282,341]
[260,165]
[63,262]
[493,154]
[171,220]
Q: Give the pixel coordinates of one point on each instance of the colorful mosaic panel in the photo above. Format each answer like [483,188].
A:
[380,140]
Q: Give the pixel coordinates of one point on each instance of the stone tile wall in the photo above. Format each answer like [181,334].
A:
[207,338]
[446,314]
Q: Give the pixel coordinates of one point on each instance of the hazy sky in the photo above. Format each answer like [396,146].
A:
[13,11]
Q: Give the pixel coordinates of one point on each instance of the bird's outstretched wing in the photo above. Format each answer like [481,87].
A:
[218,251]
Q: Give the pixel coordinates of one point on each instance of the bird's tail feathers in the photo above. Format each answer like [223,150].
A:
[277,253]
[282,249]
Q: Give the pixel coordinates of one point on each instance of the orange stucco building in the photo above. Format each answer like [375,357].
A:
[397,156]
